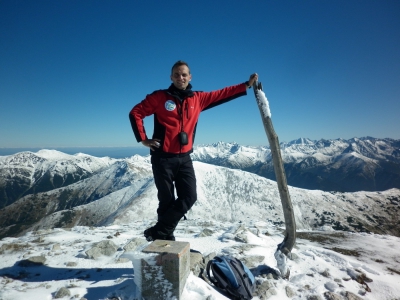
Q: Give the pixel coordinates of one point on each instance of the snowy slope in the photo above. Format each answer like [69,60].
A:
[27,173]
[234,195]
[346,244]
[336,264]
[122,190]
[131,174]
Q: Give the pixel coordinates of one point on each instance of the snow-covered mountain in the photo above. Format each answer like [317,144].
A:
[125,191]
[29,173]
[113,176]
[365,164]
[345,247]
[232,196]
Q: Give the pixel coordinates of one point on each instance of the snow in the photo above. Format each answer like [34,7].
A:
[53,155]
[129,194]
[316,268]
[263,104]
[281,260]
[324,260]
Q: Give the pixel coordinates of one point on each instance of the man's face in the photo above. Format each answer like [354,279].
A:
[181,77]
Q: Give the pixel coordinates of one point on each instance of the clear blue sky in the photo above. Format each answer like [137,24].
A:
[70,71]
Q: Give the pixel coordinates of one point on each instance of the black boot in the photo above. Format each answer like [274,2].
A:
[148,235]
[170,237]
[167,223]
[151,234]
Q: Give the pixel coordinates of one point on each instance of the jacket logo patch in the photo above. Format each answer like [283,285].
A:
[170,105]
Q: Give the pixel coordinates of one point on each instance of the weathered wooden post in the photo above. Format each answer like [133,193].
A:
[290,236]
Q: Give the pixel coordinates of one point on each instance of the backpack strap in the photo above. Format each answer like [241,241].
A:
[212,279]
[247,274]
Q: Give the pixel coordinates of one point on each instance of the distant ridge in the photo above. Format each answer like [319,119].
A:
[358,164]
[114,152]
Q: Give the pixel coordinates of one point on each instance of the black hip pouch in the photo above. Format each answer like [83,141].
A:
[183,138]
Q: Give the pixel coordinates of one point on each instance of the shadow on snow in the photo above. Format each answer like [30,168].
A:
[122,278]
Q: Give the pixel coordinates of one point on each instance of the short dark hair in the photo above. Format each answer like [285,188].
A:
[178,64]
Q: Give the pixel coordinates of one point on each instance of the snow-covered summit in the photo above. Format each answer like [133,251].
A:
[53,155]
[301,141]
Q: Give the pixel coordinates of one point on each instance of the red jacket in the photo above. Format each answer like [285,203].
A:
[171,116]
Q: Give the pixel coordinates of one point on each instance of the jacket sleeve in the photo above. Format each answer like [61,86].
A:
[214,98]
[141,110]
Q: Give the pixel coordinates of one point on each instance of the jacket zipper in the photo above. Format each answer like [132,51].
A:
[180,112]
[182,105]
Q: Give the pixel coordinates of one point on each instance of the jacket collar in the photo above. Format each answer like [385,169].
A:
[180,94]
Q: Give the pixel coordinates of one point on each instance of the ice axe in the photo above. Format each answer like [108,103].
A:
[284,249]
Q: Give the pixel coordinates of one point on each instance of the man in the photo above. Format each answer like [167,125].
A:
[176,111]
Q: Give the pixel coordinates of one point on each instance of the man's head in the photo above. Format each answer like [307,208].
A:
[180,75]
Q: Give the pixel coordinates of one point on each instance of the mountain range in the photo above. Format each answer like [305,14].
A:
[49,189]
[358,164]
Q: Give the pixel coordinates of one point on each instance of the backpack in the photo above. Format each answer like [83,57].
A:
[232,276]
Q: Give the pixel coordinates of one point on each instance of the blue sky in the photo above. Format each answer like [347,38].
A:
[70,71]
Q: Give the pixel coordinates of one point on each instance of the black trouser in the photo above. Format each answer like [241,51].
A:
[166,172]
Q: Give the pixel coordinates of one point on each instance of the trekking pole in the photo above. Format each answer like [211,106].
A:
[284,249]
